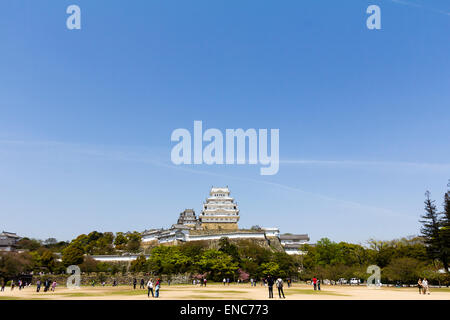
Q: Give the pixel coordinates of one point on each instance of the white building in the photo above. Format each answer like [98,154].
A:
[219,211]
[292,243]
[8,241]
[117,258]
[188,218]
[218,219]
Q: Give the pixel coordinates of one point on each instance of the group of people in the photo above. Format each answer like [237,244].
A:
[202,282]
[316,283]
[20,284]
[152,286]
[156,286]
[278,283]
[48,285]
[423,286]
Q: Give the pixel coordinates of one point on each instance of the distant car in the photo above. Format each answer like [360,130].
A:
[354,281]
[342,281]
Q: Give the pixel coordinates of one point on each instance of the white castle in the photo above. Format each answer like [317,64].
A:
[219,218]
[219,211]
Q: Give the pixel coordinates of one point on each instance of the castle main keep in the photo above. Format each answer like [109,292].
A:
[219,218]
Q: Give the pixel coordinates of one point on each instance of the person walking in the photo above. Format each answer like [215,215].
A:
[318,284]
[279,284]
[270,286]
[12,285]
[54,286]
[224,281]
[315,283]
[419,285]
[426,288]
[141,285]
[150,288]
[38,285]
[45,285]
[3,286]
[134,283]
[157,287]
[204,281]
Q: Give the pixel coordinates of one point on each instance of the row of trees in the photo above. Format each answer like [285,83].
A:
[403,260]
[242,260]
[96,243]
[53,256]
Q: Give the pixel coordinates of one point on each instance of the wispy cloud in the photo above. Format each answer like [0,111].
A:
[146,156]
[424,165]
[421,6]
[407,3]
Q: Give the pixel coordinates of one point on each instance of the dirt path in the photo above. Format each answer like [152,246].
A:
[232,292]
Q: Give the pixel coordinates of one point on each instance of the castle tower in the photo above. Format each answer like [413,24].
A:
[219,211]
[188,218]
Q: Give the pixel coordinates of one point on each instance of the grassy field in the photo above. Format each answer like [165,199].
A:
[232,292]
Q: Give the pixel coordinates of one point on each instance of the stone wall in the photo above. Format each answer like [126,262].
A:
[219,226]
[122,279]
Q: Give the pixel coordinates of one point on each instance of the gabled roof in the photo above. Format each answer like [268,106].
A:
[294,237]
[9,234]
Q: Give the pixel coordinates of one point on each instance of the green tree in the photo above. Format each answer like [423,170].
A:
[47,259]
[50,241]
[73,254]
[406,270]
[13,264]
[134,241]
[139,265]
[89,264]
[29,244]
[269,268]
[219,264]
[445,231]
[431,229]
[229,248]
[120,240]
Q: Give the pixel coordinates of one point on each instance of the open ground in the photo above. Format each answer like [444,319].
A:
[231,292]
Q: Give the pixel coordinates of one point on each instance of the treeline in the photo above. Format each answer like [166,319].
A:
[51,256]
[242,261]
[403,261]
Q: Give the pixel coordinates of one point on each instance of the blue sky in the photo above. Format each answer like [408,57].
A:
[86,115]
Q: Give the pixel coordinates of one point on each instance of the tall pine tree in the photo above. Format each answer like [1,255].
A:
[445,230]
[430,229]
